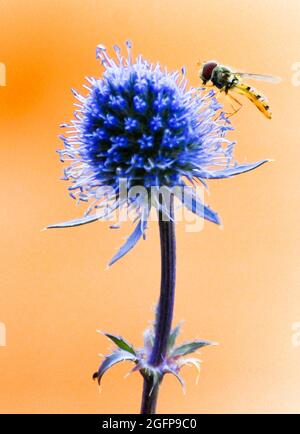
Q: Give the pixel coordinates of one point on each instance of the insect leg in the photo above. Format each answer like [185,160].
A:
[218,93]
[235,110]
[208,86]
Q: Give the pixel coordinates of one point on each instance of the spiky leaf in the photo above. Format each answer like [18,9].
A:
[191,362]
[148,339]
[75,222]
[111,360]
[193,204]
[190,347]
[173,336]
[177,375]
[121,343]
[129,243]
[232,171]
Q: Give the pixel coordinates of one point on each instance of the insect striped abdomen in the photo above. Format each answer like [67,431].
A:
[257,99]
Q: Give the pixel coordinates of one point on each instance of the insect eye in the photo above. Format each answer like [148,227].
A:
[207,70]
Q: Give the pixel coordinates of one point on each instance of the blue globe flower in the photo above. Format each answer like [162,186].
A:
[140,123]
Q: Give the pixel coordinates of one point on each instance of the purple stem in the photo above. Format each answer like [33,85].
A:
[164,314]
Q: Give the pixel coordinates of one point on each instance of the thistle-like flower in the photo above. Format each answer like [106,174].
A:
[141,129]
[141,123]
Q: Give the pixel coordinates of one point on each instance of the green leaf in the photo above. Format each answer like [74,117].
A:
[121,343]
[190,347]
[173,336]
[111,360]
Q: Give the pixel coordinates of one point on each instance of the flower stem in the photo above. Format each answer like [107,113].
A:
[164,314]
[150,395]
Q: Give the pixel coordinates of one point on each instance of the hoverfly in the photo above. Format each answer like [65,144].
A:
[227,80]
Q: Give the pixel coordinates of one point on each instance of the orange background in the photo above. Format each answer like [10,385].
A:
[238,286]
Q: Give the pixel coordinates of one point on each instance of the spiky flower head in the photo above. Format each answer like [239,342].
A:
[141,123]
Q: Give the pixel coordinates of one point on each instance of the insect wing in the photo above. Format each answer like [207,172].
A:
[260,77]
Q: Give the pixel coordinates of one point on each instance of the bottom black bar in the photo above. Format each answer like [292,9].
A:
[122,422]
